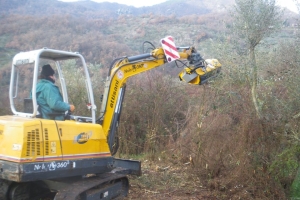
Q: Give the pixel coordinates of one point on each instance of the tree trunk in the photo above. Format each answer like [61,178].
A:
[254,82]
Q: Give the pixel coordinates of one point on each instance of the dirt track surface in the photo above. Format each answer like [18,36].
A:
[168,183]
[136,193]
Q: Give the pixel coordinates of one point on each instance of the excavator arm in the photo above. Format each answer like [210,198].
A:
[196,71]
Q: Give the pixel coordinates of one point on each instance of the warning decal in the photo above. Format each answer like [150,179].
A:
[169,48]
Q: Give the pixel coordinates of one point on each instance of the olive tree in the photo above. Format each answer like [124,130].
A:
[255,20]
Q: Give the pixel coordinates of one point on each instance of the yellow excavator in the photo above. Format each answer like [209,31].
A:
[74,158]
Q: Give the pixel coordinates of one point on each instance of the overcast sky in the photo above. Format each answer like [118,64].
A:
[140,3]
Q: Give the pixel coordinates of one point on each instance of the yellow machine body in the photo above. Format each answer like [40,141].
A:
[200,75]
[37,140]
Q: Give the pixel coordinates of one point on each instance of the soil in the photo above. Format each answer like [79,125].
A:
[169,183]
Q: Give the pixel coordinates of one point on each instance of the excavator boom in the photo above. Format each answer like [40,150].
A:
[196,71]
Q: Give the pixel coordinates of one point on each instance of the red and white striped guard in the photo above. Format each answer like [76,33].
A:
[169,48]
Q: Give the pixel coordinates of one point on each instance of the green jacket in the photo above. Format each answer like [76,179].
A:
[50,101]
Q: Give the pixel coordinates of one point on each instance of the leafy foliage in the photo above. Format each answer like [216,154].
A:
[256,19]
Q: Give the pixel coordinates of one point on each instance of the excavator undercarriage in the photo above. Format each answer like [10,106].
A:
[20,182]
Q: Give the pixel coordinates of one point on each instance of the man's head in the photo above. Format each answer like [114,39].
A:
[48,73]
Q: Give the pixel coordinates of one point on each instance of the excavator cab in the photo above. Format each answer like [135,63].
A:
[71,74]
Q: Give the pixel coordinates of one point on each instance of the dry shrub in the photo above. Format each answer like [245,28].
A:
[4,103]
[4,88]
[229,148]
[153,113]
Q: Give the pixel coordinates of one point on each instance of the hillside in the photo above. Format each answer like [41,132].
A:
[196,142]
[30,24]
[45,21]
[90,9]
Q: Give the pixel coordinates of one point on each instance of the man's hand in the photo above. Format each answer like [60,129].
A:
[72,108]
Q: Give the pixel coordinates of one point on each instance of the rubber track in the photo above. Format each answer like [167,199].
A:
[4,185]
[74,190]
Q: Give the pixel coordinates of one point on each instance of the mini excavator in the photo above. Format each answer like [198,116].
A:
[74,159]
